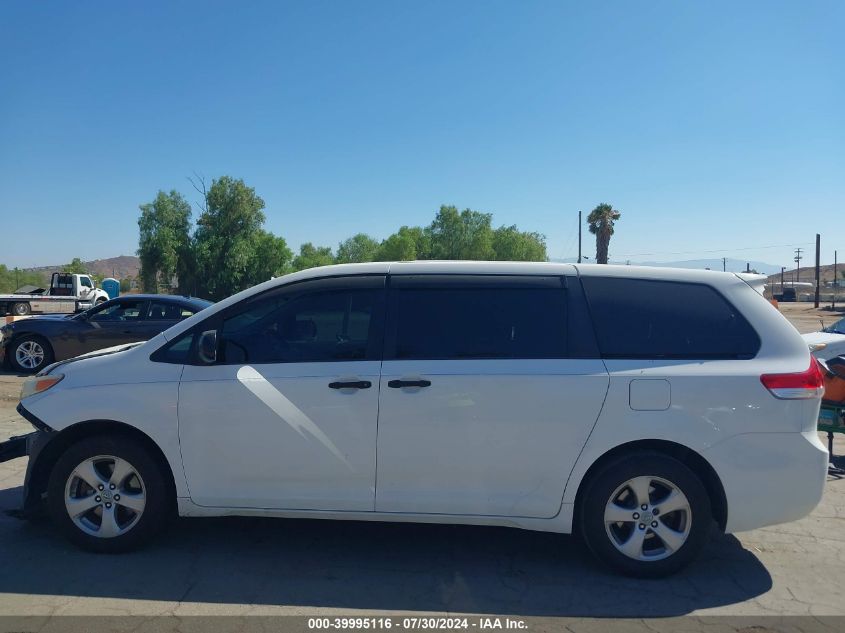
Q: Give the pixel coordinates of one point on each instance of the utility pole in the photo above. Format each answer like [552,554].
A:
[818,276]
[748,267]
[835,283]
[579,237]
[724,264]
[797,261]
[782,269]
[17,284]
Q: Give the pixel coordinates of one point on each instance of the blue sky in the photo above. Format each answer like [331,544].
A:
[711,126]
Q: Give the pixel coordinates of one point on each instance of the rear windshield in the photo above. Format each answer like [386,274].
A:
[644,319]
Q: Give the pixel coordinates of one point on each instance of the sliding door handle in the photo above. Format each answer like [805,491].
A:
[351,384]
[398,384]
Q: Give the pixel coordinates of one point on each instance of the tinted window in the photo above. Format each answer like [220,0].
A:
[84,281]
[119,311]
[479,322]
[636,318]
[177,352]
[333,325]
[166,311]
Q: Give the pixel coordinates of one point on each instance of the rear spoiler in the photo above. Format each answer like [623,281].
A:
[756,281]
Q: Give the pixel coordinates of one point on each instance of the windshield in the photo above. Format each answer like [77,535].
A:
[836,328]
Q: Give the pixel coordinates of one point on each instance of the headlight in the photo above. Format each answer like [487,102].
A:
[38,384]
[817,347]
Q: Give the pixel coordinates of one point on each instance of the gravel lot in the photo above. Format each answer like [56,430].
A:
[257,566]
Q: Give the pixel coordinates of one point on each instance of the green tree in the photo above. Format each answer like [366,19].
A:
[271,257]
[358,248]
[311,256]
[228,231]
[601,221]
[407,244]
[125,285]
[76,267]
[14,278]
[464,235]
[511,244]
[164,244]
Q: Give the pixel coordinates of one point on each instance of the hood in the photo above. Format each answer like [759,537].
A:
[50,317]
[100,352]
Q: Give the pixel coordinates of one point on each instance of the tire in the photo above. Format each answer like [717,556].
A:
[30,354]
[21,309]
[142,480]
[669,540]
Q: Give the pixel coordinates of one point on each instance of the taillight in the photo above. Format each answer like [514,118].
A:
[802,386]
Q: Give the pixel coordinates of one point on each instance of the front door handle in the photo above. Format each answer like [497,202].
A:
[351,384]
[398,384]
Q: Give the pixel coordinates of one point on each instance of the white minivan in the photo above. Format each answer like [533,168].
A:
[636,407]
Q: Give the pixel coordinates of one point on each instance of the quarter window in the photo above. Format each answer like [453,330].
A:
[453,322]
[639,318]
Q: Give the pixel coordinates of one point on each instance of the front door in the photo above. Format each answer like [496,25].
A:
[485,402]
[116,323]
[286,418]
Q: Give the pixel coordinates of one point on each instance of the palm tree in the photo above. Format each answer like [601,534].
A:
[601,221]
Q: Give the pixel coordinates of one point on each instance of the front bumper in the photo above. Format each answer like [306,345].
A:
[15,447]
[31,445]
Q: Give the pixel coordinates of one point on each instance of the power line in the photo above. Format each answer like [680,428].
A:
[717,250]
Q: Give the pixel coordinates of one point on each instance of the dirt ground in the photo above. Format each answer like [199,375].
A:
[806,318]
[242,566]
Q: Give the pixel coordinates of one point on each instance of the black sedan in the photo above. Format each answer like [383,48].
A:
[32,344]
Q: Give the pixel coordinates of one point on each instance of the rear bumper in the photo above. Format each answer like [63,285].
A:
[769,478]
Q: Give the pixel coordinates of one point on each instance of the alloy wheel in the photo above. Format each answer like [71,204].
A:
[29,354]
[648,518]
[105,496]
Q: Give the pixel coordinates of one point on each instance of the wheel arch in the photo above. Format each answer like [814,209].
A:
[687,456]
[39,472]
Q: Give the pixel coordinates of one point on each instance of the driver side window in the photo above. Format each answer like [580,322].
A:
[121,311]
[322,326]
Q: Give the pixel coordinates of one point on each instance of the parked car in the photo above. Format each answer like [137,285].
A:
[31,344]
[829,342]
[635,406]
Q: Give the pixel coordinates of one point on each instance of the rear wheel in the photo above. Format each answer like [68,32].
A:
[30,354]
[109,494]
[645,514]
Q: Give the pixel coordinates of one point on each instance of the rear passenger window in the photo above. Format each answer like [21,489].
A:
[479,322]
[638,318]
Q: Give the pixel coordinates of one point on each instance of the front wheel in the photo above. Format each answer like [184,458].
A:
[21,309]
[30,354]
[645,514]
[109,494]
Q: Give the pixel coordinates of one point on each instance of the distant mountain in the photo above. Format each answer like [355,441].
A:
[121,267]
[731,265]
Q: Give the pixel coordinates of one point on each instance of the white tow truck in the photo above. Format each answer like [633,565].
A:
[68,293]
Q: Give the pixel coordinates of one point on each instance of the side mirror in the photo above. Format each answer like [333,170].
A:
[207,349]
